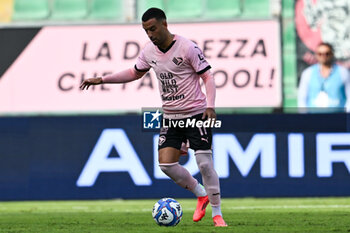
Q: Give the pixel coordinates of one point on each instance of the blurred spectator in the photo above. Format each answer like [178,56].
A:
[325,84]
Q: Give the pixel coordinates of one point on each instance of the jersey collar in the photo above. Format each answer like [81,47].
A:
[168,48]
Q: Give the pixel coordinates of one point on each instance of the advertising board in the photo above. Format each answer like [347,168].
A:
[43,67]
[99,157]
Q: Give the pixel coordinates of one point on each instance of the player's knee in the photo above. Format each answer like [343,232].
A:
[204,167]
[163,168]
[167,167]
[204,161]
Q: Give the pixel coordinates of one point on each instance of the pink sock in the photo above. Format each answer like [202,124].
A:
[179,175]
[209,176]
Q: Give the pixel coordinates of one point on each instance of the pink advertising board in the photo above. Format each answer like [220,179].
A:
[46,75]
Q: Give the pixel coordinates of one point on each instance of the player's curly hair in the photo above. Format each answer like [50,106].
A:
[153,12]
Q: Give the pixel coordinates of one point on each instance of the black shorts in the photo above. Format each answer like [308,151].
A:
[199,138]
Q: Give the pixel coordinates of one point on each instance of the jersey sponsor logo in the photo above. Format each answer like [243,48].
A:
[172,98]
[168,83]
[169,88]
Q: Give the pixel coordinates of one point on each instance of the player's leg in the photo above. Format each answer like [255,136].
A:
[211,184]
[169,154]
[169,164]
[200,140]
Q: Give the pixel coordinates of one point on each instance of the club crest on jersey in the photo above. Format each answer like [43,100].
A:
[178,60]
[162,139]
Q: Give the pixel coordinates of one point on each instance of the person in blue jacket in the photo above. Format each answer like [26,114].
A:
[325,84]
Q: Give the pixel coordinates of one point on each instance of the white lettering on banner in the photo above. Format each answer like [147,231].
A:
[296,155]
[99,162]
[226,145]
[190,165]
[326,156]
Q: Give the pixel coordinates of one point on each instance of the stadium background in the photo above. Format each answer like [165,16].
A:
[59,143]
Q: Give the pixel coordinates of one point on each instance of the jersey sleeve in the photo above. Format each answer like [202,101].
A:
[197,59]
[141,63]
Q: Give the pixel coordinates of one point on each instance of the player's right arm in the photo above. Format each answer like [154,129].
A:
[124,76]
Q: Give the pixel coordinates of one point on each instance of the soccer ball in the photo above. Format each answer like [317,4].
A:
[167,212]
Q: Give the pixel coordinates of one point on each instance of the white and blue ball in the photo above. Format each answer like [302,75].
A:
[167,212]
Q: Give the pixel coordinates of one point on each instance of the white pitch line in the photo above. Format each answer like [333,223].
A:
[276,207]
[250,207]
[253,207]
[288,207]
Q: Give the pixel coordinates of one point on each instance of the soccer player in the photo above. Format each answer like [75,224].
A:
[179,64]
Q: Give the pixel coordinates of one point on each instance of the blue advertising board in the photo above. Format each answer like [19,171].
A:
[100,157]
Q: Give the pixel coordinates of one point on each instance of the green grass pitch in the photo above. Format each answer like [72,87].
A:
[241,214]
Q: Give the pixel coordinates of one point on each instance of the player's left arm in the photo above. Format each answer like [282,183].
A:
[210,89]
[202,68]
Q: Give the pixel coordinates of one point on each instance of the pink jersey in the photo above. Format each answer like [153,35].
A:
[178,70]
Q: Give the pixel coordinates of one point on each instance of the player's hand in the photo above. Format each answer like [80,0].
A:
[91,81]
[209,114]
